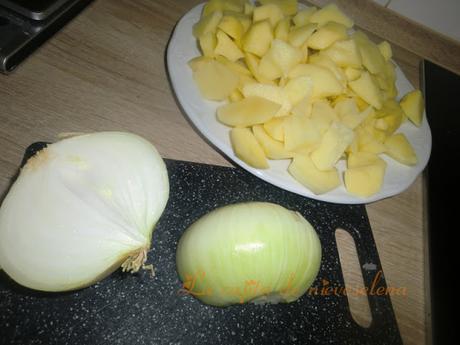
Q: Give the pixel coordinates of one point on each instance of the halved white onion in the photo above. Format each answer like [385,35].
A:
[80,208]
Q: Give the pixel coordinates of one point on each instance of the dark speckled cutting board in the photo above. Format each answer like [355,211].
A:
[139,309]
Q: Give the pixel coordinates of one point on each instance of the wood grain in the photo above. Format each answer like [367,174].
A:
[106,71]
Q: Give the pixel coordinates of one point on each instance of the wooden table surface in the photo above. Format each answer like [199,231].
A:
[106,71]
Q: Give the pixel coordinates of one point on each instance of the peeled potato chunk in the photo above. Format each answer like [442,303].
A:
[226,47]
[268,69]
[367,142]
[366,88]
[364,181]
[252,62]
[352,73]
[223,5]
[215,81]
[258,39]
[300,131]
[284,56]
[332,146]
[207,24]
[247,148]
[208,42]
[282,29]
[319,182]
[360,159]
[392,114]
[231,26]
[344,54]
[326,62]
[303,16]
[327,35]
[249,111]
[196,62]
[235,66]
[350,115]
[325,84]
[271,12]
[273,149]
[289,7]
[330,13]
[275,128]
[385,50]
[412,105]
[298,88]
[298,36]
[271,93]
[373,60]
[399,148]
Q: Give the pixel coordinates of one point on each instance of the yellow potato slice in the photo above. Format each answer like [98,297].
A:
[271,93]
[368,143]
[289,7]
[226,47]
[273,149]
[299,35]
[399,148]
[298,88]
[223,5]
[275,128]
[196,62]
[326,62]
[366,88]
[247,148]
[330,13]
[268,69]
[332,146]
[365,181]
[207,24]
[412,105]
[258,38]
[303,16]
[300,131]
[231,26]
[325,84]
[215,81]
[385,50]
[208,42]
[247,112]
[371,56]
[360,159]
[319,182]
[352,73]
[327,35]
[271,12]
[344,54]
[235,66]
[282,29]
[284,55]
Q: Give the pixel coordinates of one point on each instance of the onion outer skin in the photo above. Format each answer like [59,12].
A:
[256,251]
[80,208]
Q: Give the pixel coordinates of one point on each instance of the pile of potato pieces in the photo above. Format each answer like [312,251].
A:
[300,86]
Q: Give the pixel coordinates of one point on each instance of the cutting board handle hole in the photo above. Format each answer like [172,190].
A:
[354,282]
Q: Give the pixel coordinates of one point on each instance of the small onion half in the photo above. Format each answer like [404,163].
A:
[80,208]
[258,252]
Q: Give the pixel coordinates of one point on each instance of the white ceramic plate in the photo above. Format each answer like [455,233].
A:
[183,47]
